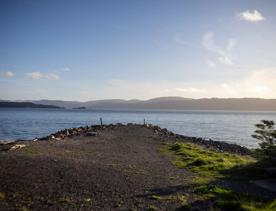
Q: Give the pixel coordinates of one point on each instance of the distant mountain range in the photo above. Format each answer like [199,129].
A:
[9,104]
[170,103]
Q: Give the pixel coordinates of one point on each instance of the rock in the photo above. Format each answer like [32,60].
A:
[35,139]
[91,133]
[17,146]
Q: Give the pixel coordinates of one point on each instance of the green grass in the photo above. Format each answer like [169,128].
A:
[2,196]
[210,166]
[152,207]
[204,161]
[252,171]
[181,198]
[226,199]
[155,197]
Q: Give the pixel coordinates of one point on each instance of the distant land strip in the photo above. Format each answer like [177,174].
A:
[162,103]
[24,105]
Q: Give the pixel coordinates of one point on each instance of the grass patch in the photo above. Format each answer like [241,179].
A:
[209,166]
[226,199]
[181,198]
[155,197]
[252,171]
[152,207]
[2,196]
[206,162]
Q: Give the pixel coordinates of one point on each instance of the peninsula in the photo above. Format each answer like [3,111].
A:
[128,167]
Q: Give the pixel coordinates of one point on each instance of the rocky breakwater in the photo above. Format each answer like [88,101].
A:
[220,146]
[61,135]
[161,133]
[71,132]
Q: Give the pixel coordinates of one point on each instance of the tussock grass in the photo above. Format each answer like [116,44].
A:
[204,161]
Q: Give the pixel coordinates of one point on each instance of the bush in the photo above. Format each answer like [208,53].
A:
[266,133]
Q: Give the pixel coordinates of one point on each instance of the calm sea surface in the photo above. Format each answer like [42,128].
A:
[234,127]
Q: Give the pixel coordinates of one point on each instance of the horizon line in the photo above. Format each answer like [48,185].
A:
[133,99]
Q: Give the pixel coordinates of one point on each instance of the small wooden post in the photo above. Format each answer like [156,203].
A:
[101,120]
[144,121]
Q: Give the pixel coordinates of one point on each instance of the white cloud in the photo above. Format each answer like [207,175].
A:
[257,83]
[35,75]
[51,76]
[39,75]
[228,88]
[7,74]
[251,16]
[260,83]
[124,89]
[259,90]
[209,43]
[210,64]
[231,44]
[225,60]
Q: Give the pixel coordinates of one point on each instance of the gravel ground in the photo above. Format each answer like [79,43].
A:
[120,169]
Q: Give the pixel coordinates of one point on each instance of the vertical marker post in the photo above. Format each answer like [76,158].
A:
[144,121]
[101,120]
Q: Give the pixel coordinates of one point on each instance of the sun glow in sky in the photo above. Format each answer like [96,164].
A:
[99,49]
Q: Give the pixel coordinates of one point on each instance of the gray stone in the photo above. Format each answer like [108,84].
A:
[92,133]
[17,146]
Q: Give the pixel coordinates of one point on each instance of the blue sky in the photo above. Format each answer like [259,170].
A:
[87,50]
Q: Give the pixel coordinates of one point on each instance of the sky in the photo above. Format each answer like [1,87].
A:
[128,49]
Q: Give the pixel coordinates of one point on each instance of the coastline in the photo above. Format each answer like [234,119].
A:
[126,167]
[163,133]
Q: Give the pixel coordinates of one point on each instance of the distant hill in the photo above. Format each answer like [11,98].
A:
[174,103]
[9,104]
[80,108]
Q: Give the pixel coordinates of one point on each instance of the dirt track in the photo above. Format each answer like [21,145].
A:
[121,168]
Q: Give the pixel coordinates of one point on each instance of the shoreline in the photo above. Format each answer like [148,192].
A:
[125,167]
[163,133]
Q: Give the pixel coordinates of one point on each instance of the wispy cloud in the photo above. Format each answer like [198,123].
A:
[210,63]
[209,44]
[190,90]
[251,16]
[225,60]
[231,44]
[178,39]
[256,83]
[39,75]
[7,74]
[66,69]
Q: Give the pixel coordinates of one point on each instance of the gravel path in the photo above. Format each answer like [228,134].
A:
[120,169]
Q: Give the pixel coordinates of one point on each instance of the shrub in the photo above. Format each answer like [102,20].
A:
[266,133]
